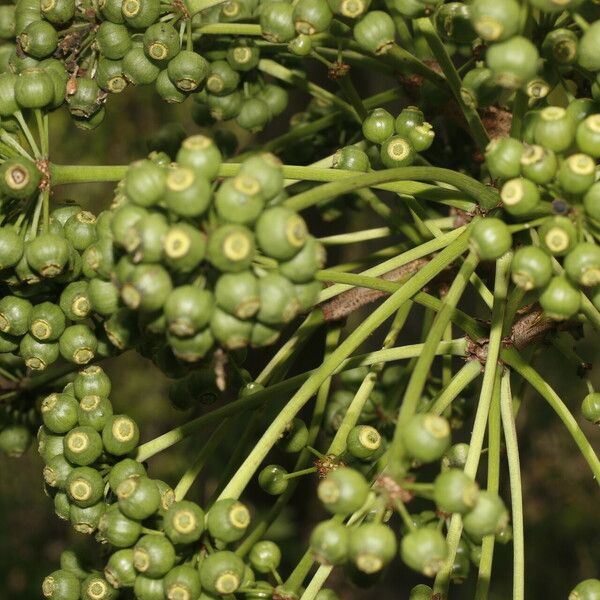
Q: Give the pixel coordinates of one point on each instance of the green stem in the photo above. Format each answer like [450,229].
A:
[516,493]
[279,390]
[478,132]
[484,195]
[305,458]
[299,80]
[442,580]
[331,363]
[399,57]
[513,359]
[467,374]
[28,135]
[353,97]
[291,347]
[422,369]
[493,482]
[188,478]
[233,29]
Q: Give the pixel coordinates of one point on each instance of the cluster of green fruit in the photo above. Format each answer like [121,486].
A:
[394,142]
[79,53]
[367,545]
[550,176]
[231,266]
[47,306]
[153,538]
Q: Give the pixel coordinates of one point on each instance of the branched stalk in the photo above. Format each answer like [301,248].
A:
[513,359]
[493,482]
[480,136]
[188,478]
[422,368]
[366,328]
[442,580]
[516,494]
[467,374]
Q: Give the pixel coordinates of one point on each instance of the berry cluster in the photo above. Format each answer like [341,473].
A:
[230,266]
[552,172]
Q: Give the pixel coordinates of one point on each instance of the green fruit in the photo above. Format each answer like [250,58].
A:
[19,178]
[56,472]
[488,516]
[184,247]
[531,268]
[221,573]
[588,51]
[455,492]
[520,197]
[14,315]
[378,126]
[588,589]
[490,238]
[513,61]
[138,497]
[61,585]
[138,69]
[397,151]
[363,442]
[590,407]
[113,40]
[119,571]
[576,174]
[147,289]
[277,22]
[59,412]
[11,247]
[582,264]
[78,344]
[153,555]
[14,440]
[120,435]
[46,322]
[503,157]
[140,14]
[228,520]
[231,248]
[122,470]
[95,587]
[351,158]
[375,32]
[200,153]
[343,491]
[238,294]
[265,167]
[272,480]
[281,233]
[47,254]
[94,411]
[117,529]
[265,556]
[554,129]
[424,550]
[188,191]
[587,135]
[38,355]
[145,185]
[239,200]
[82,446]
[161,42]
[329,543]
[75,301]
[495,21]
[560,299]
[182,582]
[187,70]
[34,88]
[538,164]
[84,486]
[558,235]
[426,437]
[371,547]
[184,522]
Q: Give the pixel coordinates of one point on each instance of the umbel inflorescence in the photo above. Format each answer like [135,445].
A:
[476,162]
